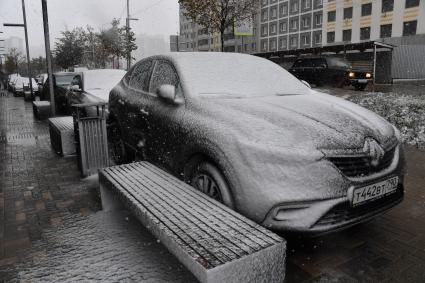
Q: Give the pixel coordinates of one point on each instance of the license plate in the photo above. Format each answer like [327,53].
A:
[374,191]
[362,81]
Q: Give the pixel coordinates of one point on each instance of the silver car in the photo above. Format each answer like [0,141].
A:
[249,134]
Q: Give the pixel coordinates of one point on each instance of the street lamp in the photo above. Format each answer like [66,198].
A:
[24,25]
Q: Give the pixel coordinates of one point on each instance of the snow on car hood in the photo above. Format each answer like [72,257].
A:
[300,121]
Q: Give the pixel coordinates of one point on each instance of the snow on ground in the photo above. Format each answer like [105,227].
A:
[404,110]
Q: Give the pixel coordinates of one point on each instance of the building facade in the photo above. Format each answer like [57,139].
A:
[195,38]
[292,24]
[299,24]
[355,21]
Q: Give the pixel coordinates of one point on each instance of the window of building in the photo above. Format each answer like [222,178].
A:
[412,3]
[294,24]
[283,9]
[318,19]
[346,35]
[264,15]
[264,46]
[273,44]
[318,38]
[283,27]
[331,37]
[387,6]
[305,39]
[273,12]
[264,30]
[319,3]
[273,29]
[386,30]
[348,13]
[331,16]
[282,43]
[294,7]
[264,2]
[366,9]
[306,4]
[293,42]
[409,28]
[365,33]
[254,46]
[306,22]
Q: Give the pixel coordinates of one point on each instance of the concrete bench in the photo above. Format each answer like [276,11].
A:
[214,242]
[41,109]
[62,135]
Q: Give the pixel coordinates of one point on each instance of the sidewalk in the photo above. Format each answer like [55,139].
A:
[51,228]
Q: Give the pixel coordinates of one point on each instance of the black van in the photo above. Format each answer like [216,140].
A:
[330,70]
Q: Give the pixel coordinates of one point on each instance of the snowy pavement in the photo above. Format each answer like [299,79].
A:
[51,228]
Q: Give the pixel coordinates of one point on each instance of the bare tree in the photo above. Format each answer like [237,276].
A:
[219,15]
[13,59]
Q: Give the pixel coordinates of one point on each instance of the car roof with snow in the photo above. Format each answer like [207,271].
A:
[216,73]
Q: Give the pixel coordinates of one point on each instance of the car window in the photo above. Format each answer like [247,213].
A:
[339,63]
[141,75]
[319,62]
[77,81]
[298,63]
[164,74]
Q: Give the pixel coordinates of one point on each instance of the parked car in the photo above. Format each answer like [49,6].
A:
[11,81]
[41,80]
[261,142]
[91,87]
[22,84]
[330,70]
[61,82]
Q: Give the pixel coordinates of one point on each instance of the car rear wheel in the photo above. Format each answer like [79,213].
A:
[208,179]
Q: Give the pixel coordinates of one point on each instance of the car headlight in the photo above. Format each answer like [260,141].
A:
[351,75]
[368,75]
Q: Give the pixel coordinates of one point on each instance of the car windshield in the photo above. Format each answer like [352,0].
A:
[339,63]
[236,76]
[64,80]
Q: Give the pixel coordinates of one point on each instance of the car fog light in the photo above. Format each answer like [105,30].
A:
[351,75]
[368,75]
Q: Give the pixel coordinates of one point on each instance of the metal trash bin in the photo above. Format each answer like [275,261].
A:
[91,137]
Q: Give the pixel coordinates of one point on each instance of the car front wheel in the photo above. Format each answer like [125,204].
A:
[208,179]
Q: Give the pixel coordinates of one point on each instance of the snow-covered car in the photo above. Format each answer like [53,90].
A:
[11,81]
[22,84]
[91,86]
[61,82]
[250,135]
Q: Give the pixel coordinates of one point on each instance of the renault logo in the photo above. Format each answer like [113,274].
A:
[374,150]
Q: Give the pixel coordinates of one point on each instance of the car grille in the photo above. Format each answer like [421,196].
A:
[344,212]
[360,165]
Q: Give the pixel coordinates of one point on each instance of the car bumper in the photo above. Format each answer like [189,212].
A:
[327,216]
[359,81]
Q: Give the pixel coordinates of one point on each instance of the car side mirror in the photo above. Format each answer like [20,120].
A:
[75,88]
[306,83]
[167,93]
